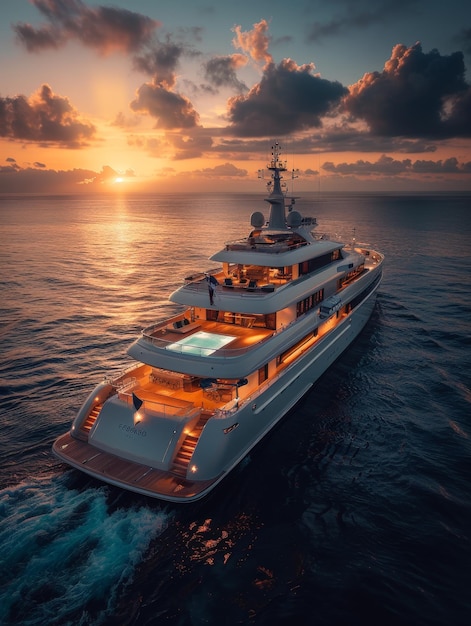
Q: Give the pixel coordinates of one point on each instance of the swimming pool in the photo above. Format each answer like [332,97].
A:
[201,343]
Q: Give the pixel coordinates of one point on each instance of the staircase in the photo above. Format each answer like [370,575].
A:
[91,419]
[185,452]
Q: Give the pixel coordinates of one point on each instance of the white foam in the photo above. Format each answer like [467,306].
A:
[66,547]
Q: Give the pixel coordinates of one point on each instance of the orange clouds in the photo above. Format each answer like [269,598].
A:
[254,42]
[44,118]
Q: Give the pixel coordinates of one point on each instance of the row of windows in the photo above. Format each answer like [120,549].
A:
[306,267]
[263,371]
[351,276]
[303,306]
[361,296]
[287,353]
[349,307]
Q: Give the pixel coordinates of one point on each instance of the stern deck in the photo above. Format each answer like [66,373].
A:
[130,475]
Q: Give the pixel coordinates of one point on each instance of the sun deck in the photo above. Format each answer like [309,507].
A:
[243,335]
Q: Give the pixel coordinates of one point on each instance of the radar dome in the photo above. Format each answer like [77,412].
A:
[294,219]
[257,219]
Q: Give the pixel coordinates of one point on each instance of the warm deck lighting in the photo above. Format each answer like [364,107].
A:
[193,469]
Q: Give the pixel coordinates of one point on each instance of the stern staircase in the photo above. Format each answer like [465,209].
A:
[183,457]
[91,419]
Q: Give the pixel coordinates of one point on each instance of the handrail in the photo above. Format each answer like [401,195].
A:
[274,247]
[168,445]
[126,384]
[199,350]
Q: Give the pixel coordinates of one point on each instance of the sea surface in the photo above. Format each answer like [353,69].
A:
[355,509]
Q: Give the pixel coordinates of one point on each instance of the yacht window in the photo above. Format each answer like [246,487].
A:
[311,265]
[263,374]
[303,306]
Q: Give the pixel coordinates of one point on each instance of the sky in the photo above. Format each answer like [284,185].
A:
[189,95]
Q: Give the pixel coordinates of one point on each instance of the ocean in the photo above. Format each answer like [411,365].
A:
[355,509]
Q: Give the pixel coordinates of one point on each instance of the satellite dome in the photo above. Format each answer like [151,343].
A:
[257,219]
[294,219]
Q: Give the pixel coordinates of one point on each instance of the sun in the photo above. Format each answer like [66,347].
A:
[118,179]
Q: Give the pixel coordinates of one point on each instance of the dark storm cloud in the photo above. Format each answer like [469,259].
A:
[103,28]
[288,98]
[44,118]
[221,71]
[169,108]
[357,14]
[416,95]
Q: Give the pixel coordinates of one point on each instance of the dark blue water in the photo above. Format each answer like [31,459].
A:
[356,509]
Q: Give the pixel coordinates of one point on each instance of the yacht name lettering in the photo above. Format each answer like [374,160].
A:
[132,430]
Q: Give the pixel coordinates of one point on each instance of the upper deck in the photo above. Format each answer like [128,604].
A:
[233,340]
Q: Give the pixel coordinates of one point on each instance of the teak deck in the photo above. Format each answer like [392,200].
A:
[128,474]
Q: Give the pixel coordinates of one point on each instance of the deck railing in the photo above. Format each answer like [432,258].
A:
[165,408]
[196,350]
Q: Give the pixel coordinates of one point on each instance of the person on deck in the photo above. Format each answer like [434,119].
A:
[212,282]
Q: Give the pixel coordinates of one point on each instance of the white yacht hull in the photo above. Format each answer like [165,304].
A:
[227,439]
[212,381]
[218,450]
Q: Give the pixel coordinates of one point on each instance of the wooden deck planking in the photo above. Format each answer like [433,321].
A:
[106,466]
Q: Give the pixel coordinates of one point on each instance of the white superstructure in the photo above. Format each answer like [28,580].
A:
[211,382]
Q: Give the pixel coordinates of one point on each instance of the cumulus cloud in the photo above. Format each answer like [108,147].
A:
[288,98]
[416,95]
[221,71]
[159,97]
[44,118]
[254,42]
[161,62]
[103,28]
[108,29]
[170,109]
[226,170]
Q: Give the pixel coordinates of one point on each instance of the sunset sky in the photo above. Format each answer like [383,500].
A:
[182,95]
